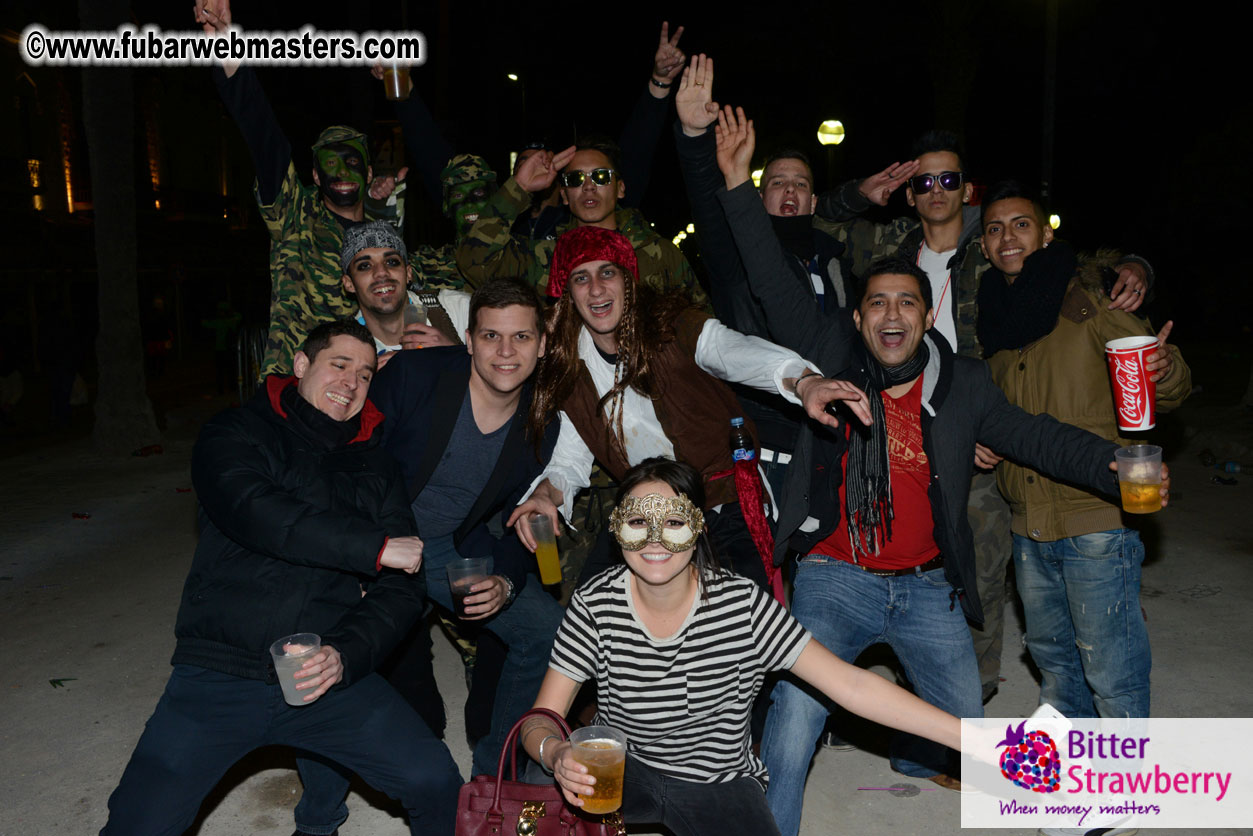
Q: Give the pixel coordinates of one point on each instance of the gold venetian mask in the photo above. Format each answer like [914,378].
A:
[672,521]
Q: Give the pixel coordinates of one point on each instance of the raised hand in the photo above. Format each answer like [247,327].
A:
[1158,363]
[214,16]
[669,58]
[877,188]
[382,187]
[539,170]
[1128,292]
[736,143]
[695,99]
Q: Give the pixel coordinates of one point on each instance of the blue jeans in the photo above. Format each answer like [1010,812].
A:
[848,610]
[206,721]
[1085,630]
[527,626]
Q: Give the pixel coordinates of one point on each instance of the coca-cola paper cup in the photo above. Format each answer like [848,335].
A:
[1134,393]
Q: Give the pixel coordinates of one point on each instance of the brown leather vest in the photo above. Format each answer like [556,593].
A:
[694,408]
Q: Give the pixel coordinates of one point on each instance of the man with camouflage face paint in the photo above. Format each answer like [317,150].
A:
[306,224]
[468,183]
[341,169]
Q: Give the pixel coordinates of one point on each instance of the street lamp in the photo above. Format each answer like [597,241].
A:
[516,79]
[831,132]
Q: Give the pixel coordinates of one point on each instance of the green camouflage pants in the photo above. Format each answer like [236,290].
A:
[590,516]
[989,521]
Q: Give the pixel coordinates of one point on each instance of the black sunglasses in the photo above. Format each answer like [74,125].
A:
[574,179]
[950,181]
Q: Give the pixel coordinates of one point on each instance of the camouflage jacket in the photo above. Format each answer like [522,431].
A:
[866,242]
[435,268]
[490,250]
[306,279]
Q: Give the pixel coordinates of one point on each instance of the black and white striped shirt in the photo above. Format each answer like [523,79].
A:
[684,701]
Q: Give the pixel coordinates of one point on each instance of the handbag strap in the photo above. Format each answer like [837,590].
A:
[510,748]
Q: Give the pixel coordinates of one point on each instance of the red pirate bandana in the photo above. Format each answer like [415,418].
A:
[589,243]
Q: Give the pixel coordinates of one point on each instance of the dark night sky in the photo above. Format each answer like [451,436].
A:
[1151,111]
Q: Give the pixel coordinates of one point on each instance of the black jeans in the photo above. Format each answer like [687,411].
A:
[206,721]
[692,809]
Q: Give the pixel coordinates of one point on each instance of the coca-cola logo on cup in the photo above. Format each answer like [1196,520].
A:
[1134,392]
[1127,376]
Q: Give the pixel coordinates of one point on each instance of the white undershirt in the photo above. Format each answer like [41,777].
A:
[726,354]
[935,265]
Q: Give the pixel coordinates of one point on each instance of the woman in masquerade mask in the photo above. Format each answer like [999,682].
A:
[678,648]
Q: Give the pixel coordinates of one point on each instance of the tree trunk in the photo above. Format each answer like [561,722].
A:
[124,418]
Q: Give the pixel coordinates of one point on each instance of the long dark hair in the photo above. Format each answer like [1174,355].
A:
[683,479]
[646,325]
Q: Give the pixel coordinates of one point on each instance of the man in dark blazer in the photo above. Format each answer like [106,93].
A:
[456,422]
[457,425]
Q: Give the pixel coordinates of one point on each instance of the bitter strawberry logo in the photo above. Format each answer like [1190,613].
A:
[1030,759]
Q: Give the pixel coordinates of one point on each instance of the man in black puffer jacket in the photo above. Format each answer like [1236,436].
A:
[301,510]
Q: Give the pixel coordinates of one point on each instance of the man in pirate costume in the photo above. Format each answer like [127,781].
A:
[639,374]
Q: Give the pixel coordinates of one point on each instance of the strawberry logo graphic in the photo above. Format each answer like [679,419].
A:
[1030,759]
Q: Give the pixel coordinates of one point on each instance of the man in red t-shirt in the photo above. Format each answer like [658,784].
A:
[878,513]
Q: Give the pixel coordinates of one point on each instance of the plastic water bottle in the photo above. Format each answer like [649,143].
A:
[741,442]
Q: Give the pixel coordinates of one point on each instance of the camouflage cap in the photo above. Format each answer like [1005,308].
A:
[466,168]
[337,134]
[373,234]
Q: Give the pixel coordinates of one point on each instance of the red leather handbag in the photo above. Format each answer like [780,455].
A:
[492,806]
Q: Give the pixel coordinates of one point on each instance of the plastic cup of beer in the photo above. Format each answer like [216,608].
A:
[1140,477]
[545,548]
[602,750]
[463,573]
[289,654]
[396,82]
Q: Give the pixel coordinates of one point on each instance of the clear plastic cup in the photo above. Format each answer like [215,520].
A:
[602,749]
[289,654]
[1140,478]
[545,548]
[396,81]
[464,573]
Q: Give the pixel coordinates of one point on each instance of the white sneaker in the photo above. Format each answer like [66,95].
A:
[1087,831]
